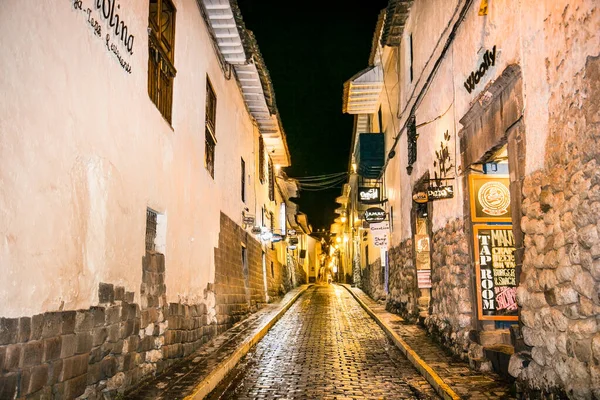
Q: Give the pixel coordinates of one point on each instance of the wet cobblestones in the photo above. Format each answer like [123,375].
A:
[324,347]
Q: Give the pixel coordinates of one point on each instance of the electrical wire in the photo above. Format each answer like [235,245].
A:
[320,177]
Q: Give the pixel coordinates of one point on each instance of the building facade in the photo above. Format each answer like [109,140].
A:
[141,146]
[476,124]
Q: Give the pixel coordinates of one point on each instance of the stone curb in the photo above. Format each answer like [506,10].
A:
[428,373]
[210,382]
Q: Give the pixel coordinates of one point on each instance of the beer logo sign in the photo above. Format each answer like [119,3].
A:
[494,198]
[490,198]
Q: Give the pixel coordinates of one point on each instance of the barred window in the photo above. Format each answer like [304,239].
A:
[411,143]
[261,159]
[151,222]
[271,181]
[243,180]
[209,131]
[161,64]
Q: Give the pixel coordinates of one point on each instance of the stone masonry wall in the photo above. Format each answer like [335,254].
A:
[238,291]
[110,348]
[371,282]
[403,292]
[275,276]
[451,303]
[106,349]
[559,288]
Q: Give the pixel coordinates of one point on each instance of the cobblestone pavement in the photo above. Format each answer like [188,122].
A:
[324,347]
[467,383]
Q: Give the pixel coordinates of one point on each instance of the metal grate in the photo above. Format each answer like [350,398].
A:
[271,181]
[151,218]
[412,144]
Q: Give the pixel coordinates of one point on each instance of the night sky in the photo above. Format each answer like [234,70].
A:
[311,48]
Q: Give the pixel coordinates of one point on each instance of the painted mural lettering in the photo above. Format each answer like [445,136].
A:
[106,10]
[489,60]
[506,298]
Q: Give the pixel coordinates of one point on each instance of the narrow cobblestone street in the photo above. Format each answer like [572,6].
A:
[324,347]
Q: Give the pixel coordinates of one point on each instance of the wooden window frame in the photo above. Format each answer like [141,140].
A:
[271,181]
[161,60]
[261,159]
[210,124]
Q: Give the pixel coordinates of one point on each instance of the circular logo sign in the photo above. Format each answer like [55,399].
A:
[494,198]
[420,197]
[374,214]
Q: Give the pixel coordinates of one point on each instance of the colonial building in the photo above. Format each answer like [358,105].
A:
[140,145]
[473,206]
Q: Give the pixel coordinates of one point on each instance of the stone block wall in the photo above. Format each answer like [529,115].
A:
[403,291]
[238,291]
[114,346]
[372,282]
[275,276]
[559,290]
[451,301]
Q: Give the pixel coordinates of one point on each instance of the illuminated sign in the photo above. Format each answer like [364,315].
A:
[369,195]
[374,214]
[490,198]
[420,197]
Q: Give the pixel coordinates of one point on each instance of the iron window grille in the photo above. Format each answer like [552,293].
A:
[151,222]
[161,46]
[243,180]
[412,137]
[271,181]
[261,159]
[209,131]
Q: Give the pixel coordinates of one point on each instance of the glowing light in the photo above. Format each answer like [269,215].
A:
[354,167]
[338,239]
[277,167]
[343,219]
[345,239]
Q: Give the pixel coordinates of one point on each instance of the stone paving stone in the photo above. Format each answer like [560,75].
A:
[324,347]
[467,383]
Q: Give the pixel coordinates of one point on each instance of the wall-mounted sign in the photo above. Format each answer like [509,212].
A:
[291,232]
[489,60]
[293,240]
[374,214]
[118,39]
[369,194]
[490,198]
[380,231]
[249,219]
[440,193]
[496,272]
[420,197]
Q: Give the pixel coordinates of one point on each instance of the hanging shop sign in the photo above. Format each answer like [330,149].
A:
[104,15]
[490,198]
[420,197]
[369,194]
[496,272]
[374,214]
[249,219]
[380,232]
[293,240]
[440,193]
[489,60]
[276,238]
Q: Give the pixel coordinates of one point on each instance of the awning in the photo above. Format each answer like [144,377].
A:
[371,154]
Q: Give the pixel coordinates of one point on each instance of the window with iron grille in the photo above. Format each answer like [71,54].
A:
[412,143]
[261,159]
[271,181]
[210,126]
[161,47]
[243,180]
[410,49]
[151,222]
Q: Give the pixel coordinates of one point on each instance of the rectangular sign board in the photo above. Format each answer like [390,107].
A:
[495,268]
[490,198]
[369,194]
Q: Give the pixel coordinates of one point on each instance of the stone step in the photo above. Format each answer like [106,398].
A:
[499,355]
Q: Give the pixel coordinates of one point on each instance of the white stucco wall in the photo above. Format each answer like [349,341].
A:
[84,151]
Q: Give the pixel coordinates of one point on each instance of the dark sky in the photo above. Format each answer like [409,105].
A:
[311,48]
